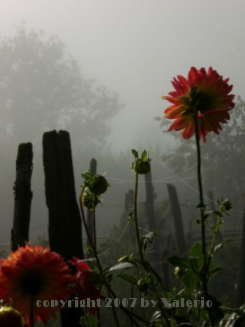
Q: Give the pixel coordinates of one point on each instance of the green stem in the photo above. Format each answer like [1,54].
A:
[96,256]
[140,294]
[130,314]
[211,251]
[32,312]
[159,301]
[94,230]
[108,287]
[203,230]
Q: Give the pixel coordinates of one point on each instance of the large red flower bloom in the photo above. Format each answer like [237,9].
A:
[33,273]
[204,94]
[85,283]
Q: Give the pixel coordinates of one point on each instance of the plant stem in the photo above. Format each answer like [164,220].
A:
[136,217]
[211,251]
[203,230]
[94,230]
[32,312]
[159,301]
[96,256]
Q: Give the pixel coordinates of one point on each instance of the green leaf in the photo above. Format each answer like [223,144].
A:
[123,265]
[135,153]
[148,237]
[197,263]
[196,250]
[89,321]
[131,217]
[218,213]
[215,271]
[202,205]
[144,156]
[179,262]
[190,280]
[220,245]
[129,278]
[213,229]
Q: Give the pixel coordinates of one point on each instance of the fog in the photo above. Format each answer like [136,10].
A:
[133,48]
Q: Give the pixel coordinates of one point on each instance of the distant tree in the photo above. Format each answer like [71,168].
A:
[41,88]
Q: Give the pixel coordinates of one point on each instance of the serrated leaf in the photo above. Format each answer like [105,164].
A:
[123,265]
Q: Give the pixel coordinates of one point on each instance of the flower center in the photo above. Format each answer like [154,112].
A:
[197,100]
[31,282]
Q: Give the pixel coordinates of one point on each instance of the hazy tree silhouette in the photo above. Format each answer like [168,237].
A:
[41,88]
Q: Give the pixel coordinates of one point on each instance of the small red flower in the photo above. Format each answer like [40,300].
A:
[85,283]
[204,94]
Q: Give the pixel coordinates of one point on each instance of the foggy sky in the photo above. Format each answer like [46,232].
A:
[136,47]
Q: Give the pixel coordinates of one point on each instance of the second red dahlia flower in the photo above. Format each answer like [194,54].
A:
[85,283]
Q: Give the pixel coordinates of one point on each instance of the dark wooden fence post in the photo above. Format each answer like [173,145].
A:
[93,169]
[150,209]
[65,228]
[23,196]
[179,228]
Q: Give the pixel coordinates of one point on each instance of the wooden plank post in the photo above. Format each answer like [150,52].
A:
[65,228]
[178,224]
[150,208]
[23,196]
[93,169]
[65,233]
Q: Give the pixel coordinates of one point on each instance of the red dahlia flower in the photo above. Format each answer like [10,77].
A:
[33,273]
[85,283]
[204,95]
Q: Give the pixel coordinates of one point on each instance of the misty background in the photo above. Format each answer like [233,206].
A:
[98,69]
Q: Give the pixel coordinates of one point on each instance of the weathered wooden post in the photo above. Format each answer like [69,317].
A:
[150,209]
[65,229]
[90,223]
[65,233]
[179,228]
[23,196]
